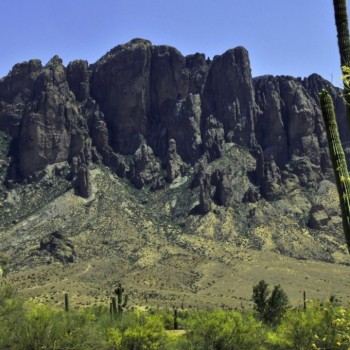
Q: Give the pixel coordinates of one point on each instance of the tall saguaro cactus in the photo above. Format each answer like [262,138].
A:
[335,148]
[338,161]
[121,304]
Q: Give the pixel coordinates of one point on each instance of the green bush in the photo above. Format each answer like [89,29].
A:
[45,327]
[317,327]
[223,330]
[142,332]
[269,309]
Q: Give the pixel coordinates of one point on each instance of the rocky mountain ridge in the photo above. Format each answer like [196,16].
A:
[210,150]
[144,108]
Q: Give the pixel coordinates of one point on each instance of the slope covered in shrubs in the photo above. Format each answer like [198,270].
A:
[27,325]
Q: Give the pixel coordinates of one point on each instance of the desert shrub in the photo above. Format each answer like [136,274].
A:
[222,330]
[10,313]
[297,329]
[139,332]
[334,331]
[317,327]
[39,326]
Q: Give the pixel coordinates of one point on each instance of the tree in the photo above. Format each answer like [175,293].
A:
[260,294]
[269,309]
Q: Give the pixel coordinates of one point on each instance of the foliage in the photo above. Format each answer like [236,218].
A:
[223,330]
[269,309]
[317,327]
[29,325]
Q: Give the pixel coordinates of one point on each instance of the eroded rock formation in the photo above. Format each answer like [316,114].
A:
[150,114]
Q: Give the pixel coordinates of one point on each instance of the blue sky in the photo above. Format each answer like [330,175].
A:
[290,37]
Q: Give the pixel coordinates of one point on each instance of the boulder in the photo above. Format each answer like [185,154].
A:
[319,219]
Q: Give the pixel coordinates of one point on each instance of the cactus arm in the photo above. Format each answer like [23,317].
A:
[338,161]
[342,25]
[341,21]
[125,301]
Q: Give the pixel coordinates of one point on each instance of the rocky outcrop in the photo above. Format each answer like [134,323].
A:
[198,67]
[169,80]
[183,125]
[59,247]
[144,168]
[52,130]
[16,91]
[175,166]
[205,195]
[214,138]
[121,86]
[78,79]
[319,218]
[231,100]
[290,128]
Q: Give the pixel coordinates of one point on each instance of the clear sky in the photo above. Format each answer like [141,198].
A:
[289,37]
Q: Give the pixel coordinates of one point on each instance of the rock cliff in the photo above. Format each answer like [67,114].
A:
[154,116]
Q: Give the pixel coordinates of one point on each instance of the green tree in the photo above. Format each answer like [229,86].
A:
[277,304]
[260,295]
[269,309]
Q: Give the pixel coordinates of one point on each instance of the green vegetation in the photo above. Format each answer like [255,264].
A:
[269,309]
[25,324]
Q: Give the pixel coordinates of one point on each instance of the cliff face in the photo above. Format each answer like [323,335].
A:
[153,116]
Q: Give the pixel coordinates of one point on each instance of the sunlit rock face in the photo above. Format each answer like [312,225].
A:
[153,116]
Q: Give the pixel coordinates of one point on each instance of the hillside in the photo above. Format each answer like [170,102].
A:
[182,177]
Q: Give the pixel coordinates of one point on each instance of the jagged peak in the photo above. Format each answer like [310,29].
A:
[132,44]
[54,61]
[27,66]
[139,41]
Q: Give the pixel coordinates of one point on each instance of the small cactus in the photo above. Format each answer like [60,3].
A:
[66,302]
[113,307]
[176,324]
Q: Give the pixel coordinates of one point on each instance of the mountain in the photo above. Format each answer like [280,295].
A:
[177,175]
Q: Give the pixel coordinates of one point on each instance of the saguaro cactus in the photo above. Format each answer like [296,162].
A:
[176,324]
[121,304]
[113,307]
[66,302]
[338,161]
[335,148]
